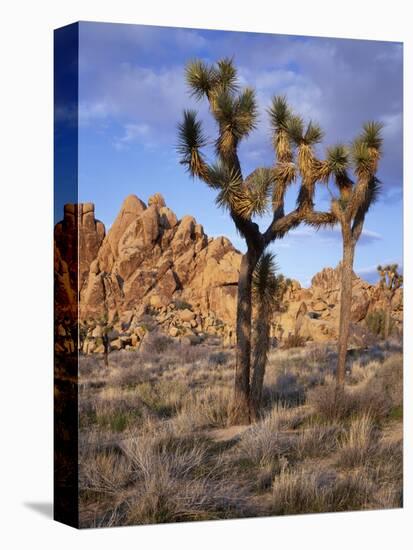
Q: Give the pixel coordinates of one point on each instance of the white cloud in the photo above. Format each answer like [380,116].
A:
[338,83]
[330,236]
[133,133]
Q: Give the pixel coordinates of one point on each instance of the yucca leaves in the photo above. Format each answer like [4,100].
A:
[366,149]
[259,185]
[361,158]
[265,283]
[295,129]
[226,75]
[229,181]
[338,159]
[200,78]
[390,278]
[364,195]
[236,114]
[246,112]
[313,134]
[336,165]
[371,134]
[191,139]
[279,113]
[319,220]
[306,165]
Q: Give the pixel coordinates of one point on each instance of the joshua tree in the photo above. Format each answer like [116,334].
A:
[268,290]
[350,208]
[235,114]
[390,281]
[105,328]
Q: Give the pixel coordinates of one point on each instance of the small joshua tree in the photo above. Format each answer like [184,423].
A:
[390,281]
[268,290]
[106,328]
[235,114]
[350,208]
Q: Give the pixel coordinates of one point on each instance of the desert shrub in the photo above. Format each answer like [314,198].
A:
[287,390]
[118,420]
[218,358]
[147,483]
[317,354]
[351,492]
[293,340]
[112,410]
[148,322]
[357,443]
[370,398]
[188,354]
[388,459]
[297,493]
[362,337]
[104,472]
[389,379]
[169,486]
[164,398]
[303,492]
[264,443]
[361,371]
[375,321]
[207,409]
[316,441]
[160,343]
[181,304]
[329,404]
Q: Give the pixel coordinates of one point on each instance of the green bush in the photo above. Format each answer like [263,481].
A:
[375,322]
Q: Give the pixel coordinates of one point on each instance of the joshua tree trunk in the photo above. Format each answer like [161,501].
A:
[387,319]
[240,413]
[260,359]
[106,350]
[345,307]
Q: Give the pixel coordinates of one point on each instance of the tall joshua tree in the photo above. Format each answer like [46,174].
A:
[350,208]
[390,281]
[268,290]
[234,111]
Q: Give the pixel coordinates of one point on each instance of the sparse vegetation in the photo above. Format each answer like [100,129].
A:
[294,340]
[376,323]
[156,445]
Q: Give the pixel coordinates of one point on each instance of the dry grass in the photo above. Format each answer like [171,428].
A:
[148,453]
[357,443]
[305,492]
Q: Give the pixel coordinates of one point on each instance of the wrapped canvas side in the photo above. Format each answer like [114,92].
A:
[66,49]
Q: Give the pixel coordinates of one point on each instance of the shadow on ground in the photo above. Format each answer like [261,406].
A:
[43,508]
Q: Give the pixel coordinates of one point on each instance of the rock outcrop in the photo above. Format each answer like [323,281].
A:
[151,263]
[321,303]
[149,257]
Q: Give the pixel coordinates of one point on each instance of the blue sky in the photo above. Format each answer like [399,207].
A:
[132,93]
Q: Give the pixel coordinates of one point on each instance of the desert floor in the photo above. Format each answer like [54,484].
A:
[155,446]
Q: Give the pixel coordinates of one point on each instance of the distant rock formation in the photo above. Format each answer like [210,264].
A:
[149,261]
[321,303]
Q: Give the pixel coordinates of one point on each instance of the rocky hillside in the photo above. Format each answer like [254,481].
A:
[314,312]
[151,263]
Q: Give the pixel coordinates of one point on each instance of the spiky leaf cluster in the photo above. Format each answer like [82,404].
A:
[390,278]
[268,287]
[191,139]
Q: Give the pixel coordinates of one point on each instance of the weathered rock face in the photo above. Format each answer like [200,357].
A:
[321,306]
[78,238]
[149,261]
[148,257]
